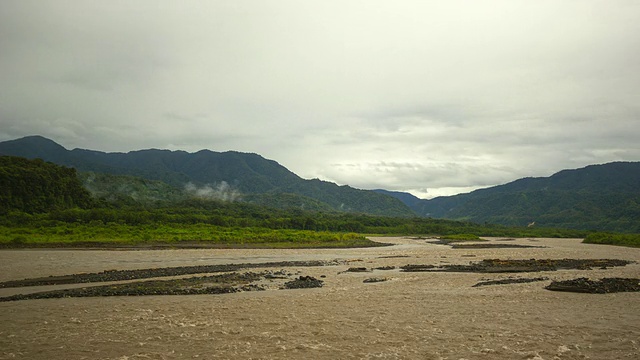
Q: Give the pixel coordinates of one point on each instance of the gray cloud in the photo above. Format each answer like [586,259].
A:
[407,95]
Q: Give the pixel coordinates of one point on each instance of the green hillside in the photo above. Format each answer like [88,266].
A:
[130,190]
[126,190]
[34,186]
[597,197]
[250,176]
[45,205]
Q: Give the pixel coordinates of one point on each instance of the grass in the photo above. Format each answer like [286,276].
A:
[631,240]
[166,235]
[174,235]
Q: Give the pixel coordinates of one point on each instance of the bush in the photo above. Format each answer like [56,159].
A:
[18,240]
[613,239]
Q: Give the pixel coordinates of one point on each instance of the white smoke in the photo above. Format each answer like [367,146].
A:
[218,191]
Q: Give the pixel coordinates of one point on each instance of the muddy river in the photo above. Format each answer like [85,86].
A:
[404,315]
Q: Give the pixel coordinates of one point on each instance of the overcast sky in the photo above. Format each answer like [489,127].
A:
[430,97]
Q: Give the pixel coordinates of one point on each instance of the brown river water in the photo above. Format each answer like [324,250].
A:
[419,315]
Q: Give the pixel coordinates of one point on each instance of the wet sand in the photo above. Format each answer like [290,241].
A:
[425,315]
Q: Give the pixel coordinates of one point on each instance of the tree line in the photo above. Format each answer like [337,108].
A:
[35,193]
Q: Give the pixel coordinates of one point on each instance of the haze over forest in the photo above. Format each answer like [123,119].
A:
[430,97]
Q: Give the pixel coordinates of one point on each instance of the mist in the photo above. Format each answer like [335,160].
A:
[217,191]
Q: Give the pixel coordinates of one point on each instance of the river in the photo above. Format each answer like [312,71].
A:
[430,315]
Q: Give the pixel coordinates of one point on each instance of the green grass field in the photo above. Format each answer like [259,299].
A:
[82,235]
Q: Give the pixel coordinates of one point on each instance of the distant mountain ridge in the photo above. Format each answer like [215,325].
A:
[600,197]
[248,173]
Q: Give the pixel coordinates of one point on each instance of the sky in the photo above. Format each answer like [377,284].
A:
[429,97]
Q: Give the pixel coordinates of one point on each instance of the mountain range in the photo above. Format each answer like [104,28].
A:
[210,174]
[599,197]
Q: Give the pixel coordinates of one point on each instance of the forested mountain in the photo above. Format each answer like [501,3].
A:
[248,176]
[598,197]
[601,197]
[130,190]
[126,190]
[34,186]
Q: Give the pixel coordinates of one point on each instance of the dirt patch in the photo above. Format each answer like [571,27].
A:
[602,286]
[515,266]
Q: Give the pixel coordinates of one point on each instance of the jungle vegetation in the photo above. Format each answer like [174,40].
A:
[44,204]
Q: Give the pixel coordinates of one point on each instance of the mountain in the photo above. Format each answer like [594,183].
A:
[248,174]
[132,190]
[598,197]
[34,186]
[409,199]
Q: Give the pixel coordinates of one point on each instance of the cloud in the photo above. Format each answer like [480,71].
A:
[407,95]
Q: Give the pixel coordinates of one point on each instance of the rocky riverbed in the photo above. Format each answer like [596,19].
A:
[119,275]
[324,303]
[515,266]
[600,286]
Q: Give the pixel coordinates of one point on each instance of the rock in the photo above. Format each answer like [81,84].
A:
[602,286]
[515,266]
[510,281]
[385,268]
[303,282]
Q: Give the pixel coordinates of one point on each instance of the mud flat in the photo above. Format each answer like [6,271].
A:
[353,315]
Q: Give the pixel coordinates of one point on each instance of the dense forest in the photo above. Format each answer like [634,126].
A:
[34,186]
[44,203]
